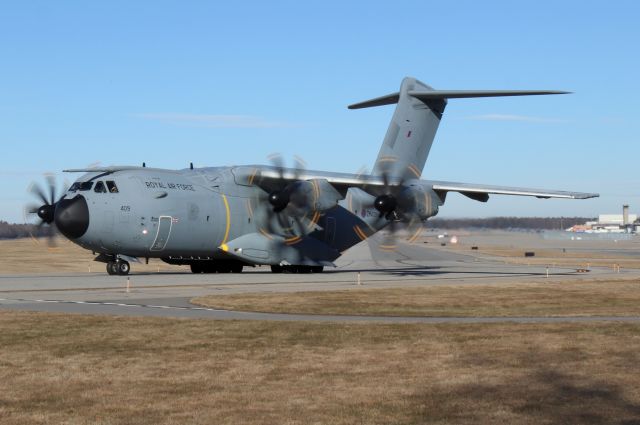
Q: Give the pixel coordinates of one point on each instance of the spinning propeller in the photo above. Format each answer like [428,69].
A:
[397,202]
[45,209]
[287,208]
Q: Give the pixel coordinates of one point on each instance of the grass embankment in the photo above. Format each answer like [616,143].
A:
[103,370]
[575,298]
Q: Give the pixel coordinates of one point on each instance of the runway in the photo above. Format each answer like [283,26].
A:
[168,294]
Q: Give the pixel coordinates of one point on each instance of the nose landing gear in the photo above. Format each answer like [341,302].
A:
[118,267]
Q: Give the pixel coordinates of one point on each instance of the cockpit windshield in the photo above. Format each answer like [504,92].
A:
[82,186]
[111,185]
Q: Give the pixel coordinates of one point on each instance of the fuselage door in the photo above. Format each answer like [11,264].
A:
[164,230]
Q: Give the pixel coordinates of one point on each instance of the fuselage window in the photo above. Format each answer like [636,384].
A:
[85,186]
[100,188]
[111,185]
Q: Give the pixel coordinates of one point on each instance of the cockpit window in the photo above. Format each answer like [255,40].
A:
[111,185]
[100,188]
[74,187]
[85,186]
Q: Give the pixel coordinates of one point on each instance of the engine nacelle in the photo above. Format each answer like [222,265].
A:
[419,200]
[313,195]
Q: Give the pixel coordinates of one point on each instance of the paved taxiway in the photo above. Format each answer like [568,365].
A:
[168,294]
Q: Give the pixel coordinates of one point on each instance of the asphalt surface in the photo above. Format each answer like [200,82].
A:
[168,294]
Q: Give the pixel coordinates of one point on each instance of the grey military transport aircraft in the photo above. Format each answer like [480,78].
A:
[220,219]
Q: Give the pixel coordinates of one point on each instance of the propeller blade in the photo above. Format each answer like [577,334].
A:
[31,208]
[36,190]
[414,229]
[51,181]
[277,161]
[389,240]
[299,166]
[51,237]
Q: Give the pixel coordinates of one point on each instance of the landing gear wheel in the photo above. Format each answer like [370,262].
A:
[277,269]
[210,268]
[317,269]
[236,268]
[122,267]
[111,268]
[224,268]
[197,268]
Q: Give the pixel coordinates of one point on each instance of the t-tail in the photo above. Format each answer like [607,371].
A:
[415,121]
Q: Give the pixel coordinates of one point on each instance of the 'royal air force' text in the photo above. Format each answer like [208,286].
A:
[176,186]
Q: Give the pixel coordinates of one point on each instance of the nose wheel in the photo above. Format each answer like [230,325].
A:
[119,267]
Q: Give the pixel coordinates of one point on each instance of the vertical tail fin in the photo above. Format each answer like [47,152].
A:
[411,131]
[415,121]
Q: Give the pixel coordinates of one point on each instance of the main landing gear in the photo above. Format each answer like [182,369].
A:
[296,269]
[118,267]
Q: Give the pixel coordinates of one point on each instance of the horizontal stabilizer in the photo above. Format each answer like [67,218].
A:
[450,94]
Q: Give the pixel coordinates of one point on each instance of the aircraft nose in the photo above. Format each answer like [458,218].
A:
[72,216]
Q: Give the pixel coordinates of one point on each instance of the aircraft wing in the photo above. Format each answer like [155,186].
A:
[373,184]
[480,192]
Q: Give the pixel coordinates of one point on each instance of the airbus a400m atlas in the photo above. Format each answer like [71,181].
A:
[221,219]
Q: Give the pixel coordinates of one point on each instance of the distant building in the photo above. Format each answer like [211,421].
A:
[615,219]
[610,223]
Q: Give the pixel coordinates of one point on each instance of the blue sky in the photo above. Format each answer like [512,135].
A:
[170,82]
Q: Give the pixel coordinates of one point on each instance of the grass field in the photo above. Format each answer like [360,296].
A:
[23,256]
[568,298]
[550,257]
[112,370]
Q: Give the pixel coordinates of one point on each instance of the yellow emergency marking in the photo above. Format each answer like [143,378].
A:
[314,220]
[292,240]
[415,236]
[224,247]
[358,231]
[253,176]
[226,230]
[388,159]
[316,189]
[414,170]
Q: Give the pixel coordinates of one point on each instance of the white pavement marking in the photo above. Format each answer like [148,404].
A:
[245,315]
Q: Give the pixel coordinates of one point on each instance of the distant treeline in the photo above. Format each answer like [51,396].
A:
[527,223]
[14,231]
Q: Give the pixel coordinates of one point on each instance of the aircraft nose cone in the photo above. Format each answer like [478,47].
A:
[72,217]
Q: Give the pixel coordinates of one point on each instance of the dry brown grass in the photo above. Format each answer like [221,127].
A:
[111,370]
[34,256]
[549,257]
[567,298]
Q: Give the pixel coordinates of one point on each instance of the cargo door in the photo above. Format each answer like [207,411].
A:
[164,230]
